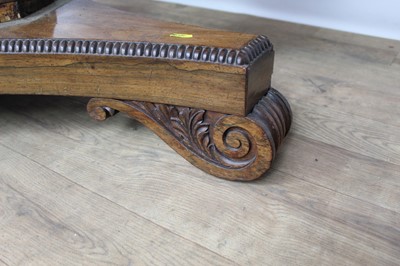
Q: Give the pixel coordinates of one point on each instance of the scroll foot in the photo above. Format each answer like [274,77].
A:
[227,146]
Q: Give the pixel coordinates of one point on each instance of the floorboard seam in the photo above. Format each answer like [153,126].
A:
[114,203]
[336,220]
[333,190]
[394,59]
[2,261]
[349,151]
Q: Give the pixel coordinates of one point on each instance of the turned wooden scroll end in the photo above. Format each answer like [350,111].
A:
[227,146]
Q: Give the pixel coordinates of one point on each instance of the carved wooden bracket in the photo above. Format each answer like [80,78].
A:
[227,146]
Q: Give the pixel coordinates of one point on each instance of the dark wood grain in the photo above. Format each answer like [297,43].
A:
[206,92]
[9,11]
[162,73]
[92,20]
[15,9]
[131,57]
[227,146]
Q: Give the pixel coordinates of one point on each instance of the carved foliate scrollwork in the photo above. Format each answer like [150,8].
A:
[195,129]
[228,146]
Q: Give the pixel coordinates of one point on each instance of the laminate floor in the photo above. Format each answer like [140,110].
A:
[74,191]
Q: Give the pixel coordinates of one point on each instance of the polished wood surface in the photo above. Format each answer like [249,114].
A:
[131,79]
[213,104]
[74,191]
[102,20]
[227,146]
[235,68]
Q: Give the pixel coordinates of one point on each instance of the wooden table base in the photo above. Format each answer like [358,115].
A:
[207,93]
[228,146]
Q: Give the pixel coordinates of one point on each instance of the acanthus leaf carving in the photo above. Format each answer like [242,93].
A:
[228,146]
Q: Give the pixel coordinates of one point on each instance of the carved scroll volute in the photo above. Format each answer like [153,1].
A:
[226,146]
[244,148]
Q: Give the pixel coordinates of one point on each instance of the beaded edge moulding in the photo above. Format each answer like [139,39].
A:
[240,57]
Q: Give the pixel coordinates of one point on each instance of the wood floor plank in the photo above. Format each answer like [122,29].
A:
[280,219]
[349,173]
[318,91]
[364,74]
[333,51]
[46,220]
[396,61]
[357,134]
[351,38]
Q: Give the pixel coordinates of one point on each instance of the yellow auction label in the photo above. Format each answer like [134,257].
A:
[181,35]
